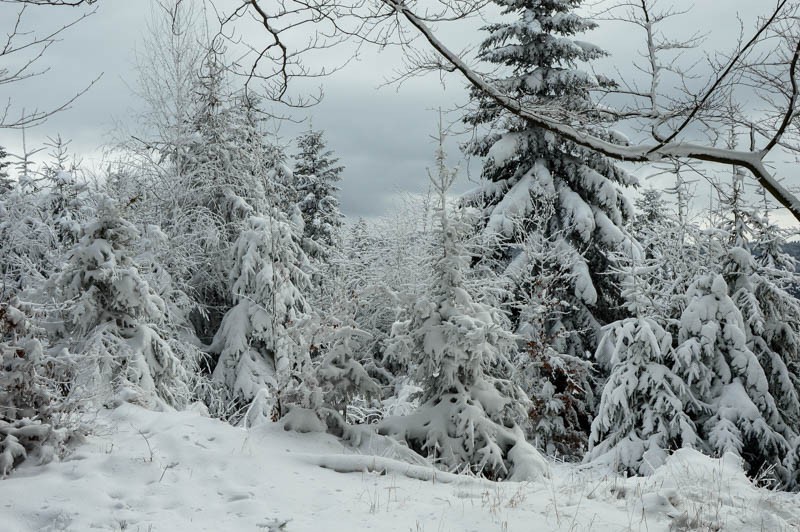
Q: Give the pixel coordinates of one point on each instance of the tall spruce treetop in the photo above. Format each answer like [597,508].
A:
[225,173]
[528,168]
[317,173]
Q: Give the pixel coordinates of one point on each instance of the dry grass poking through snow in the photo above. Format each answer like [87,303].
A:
[168,472]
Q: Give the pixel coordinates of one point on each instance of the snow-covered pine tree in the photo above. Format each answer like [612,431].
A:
[316,174]
[341,374]
[223,177]
[737,413]
[260,341]
[643,408]
[661,267]
[674,253]
[771,319]
[6,184]
[38,221]
[344,350]
[228,160]
[528,168]
[112,316]
[558,384]
[359,239]
[30,402]
[792,466]
[470,410]
[770,249]
[41,219]
[758,275]
[651,208]
[26,243]
[64,196]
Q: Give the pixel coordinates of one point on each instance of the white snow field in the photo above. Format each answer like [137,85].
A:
[180,471]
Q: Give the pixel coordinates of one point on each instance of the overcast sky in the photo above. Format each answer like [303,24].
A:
[382,135]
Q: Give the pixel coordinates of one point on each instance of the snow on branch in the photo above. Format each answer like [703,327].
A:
[778,25]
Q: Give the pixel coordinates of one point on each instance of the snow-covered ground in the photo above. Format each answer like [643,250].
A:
[155,471]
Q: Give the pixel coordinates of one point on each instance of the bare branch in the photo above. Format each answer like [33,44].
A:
[646,153]
[31,47]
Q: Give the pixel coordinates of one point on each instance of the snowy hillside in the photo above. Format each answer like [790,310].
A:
[153,472]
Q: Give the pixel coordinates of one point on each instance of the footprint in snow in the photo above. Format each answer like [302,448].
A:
[235,497]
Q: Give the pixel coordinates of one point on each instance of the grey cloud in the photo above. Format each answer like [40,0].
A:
[382,136]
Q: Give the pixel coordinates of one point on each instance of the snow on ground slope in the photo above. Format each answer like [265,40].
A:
[148,471]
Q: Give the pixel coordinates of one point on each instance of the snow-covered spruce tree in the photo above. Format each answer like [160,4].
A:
[771,250]
[224,176]
[737,413]
[771,319]
[64,195]
[792,466]
[674,253]
[227,160]
[758,275]
[6,184]
[41,219]
[112,316]
[359,240]
[27,243]
[38,413]
[643,408]
[261,343]
[341,374]
[344,350]
[316,175]
[651,208]
[558,384]
[528,169]
[32,409]
[470,411]
[662,269]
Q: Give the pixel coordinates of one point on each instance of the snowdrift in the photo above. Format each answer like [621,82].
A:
[180,471]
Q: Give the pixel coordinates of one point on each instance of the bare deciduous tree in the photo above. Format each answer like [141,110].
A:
[765,64]
[67,3]
[21,54]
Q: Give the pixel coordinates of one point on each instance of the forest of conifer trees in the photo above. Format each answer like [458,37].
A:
[563,310]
